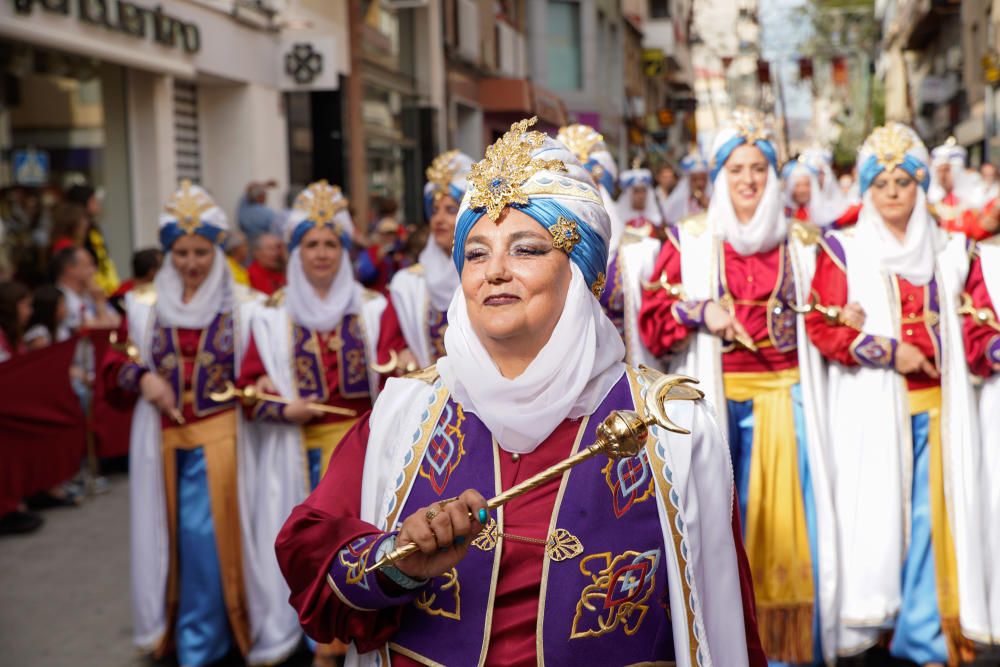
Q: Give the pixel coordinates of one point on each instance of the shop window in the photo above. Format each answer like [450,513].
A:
[659,9]
[187,146]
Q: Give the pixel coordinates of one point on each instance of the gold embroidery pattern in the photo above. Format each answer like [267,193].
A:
[447,591]
[355,559]
[655,449]
[565,235]
[305,376]
[188,206]
[496,181]
[414,456]
[617,595]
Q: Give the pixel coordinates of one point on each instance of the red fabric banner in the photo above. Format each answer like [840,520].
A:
[42,426]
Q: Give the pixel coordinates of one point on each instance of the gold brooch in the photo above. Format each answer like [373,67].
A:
[565,235]
[321,202]
[598,287]
[580,139]
[188,206]
[889,144]
[441,172]
[496,180]
[750,125]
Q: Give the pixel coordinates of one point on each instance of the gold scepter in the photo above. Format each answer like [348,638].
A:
[250,395]
[676,290]
[621,435]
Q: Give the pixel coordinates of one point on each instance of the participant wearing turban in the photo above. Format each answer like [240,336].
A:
[637,203]
[692,193]
[569,573]
[897,368]
[724,310]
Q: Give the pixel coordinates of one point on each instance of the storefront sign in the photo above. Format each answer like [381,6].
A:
[125,17]
[31,167]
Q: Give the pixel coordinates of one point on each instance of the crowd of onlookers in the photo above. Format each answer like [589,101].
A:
[57,279]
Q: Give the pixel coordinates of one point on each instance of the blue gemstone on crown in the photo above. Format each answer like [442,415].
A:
[496,183]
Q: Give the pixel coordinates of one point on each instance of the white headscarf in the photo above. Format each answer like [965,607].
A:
[569,378]
[582,360]
[191,210]
[323,203]
[677,205]
[631,178]
[914,258]
[766,229]
[440,273]
[793,172]
[447,175]
[830,201]
[966,187]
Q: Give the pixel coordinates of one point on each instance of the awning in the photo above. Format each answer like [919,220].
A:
[522,96]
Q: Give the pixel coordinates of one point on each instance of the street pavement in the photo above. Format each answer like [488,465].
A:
[65,588]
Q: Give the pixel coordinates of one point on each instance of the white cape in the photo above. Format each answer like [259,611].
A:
[989,416]
[703,359]
[282,480]
[150,541]
[411,300]
[636,258]
[868,411]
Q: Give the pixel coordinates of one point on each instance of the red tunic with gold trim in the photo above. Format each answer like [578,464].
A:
[953,216]
[982,339]
[329,521]
[391,338]
[759,288]
[918,315]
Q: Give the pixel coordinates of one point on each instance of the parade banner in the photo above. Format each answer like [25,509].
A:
[42,425]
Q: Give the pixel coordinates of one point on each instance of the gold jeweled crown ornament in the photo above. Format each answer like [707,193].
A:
[188,206]
[889,144]
[496,180]
[441,172]
[321,202]
[580,139]
[751,125]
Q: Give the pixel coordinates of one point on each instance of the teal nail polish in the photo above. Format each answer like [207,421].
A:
[460,540]
[483,516]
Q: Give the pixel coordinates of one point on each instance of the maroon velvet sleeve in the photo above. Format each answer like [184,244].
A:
[121,395]
[659,329]
[755,650]
[390,335]
[829,288]
[317,529]
[978,337]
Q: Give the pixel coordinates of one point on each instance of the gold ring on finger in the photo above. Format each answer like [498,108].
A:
[431,513]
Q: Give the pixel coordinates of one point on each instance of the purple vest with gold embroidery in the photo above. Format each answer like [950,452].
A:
[605,606]
[352,361]
[213,363]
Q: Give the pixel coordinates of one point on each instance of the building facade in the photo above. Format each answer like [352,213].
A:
[132,97]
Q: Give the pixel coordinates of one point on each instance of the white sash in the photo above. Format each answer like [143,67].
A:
[989,415]
[635,266]
[410,299]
